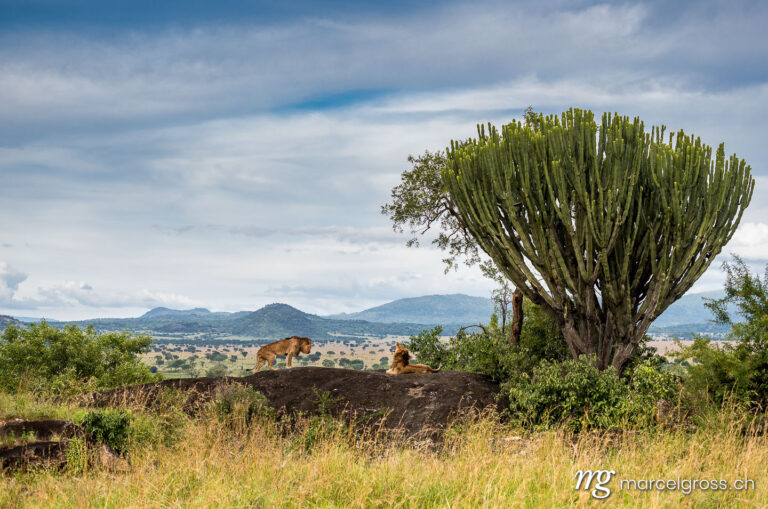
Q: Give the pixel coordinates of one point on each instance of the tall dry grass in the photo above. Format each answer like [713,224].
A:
[482,464]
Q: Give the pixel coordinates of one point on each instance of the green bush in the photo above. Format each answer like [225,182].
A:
[238,405]
[734,374]
[43,358]
[110,427]
[217,370]
[579,395]
[572,392]
[351,364]
[322,425]
[490,353]
[729,373]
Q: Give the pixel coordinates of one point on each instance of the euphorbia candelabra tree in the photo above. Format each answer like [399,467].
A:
[604,226]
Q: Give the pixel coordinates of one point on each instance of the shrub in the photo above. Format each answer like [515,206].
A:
[71,360]
[579,395]
[237,405]
[110,427]
[737,374]
[217,370]
[572,392]
[321,426]
[490,353]
[650,383]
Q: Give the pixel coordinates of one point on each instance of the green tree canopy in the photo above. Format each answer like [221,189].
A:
[739,368]
[603,226]
[48,358]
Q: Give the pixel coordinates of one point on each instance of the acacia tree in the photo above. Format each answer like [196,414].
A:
[603,227]
[420,203]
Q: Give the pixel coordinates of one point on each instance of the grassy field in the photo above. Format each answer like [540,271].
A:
[483,464]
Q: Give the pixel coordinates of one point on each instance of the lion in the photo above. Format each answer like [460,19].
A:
[290,347]
[400,364]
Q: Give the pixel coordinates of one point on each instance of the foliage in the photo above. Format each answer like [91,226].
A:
[65,361]
[110,427]
[238,405]
[725,373]
[604,227]
[579,395]
[77,456]
[322,426]
[651,383]
[217,370]
[216,356]
[421,202]
[357,364]
[737,371]
[490,353]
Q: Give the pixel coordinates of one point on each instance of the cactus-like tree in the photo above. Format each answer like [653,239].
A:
[603,226]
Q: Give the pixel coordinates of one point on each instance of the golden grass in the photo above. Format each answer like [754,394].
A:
[484,464]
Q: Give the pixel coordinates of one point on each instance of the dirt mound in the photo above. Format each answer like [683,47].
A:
[412,402]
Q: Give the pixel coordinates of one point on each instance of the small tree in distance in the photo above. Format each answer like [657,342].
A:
[603,227]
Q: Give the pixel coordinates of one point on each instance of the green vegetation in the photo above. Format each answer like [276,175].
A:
[490,352]
[617,222]
[238,405]
[736,372]
[216,370]
[44,358]
[578,395]
[109,426]
[215,462]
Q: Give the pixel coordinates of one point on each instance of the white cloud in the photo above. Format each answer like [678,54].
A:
[215,71]
[750,241]
[10,279]
[163,168]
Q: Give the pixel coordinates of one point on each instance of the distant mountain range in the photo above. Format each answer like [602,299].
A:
[5,321]
[275,321]
[684,316]
[456,309]
[401,317]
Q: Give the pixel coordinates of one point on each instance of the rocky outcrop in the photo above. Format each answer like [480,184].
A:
[45,442]
[412,403]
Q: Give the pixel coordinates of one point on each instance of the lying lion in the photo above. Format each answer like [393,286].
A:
[290,347]
[400,364]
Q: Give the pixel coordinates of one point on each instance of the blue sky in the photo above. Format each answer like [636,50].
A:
[234,154]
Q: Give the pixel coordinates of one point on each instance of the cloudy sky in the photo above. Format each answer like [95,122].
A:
[232,156]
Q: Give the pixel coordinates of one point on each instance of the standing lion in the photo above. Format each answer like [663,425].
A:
[290,347]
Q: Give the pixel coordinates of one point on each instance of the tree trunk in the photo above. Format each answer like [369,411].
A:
[516,327]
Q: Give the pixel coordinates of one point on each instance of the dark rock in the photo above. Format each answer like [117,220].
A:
[43,429]
[45,453]
[413,403]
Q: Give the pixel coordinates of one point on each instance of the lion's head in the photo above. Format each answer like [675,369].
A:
[401,354]
[305,345]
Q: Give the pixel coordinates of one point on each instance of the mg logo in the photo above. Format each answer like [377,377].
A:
[585,478]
